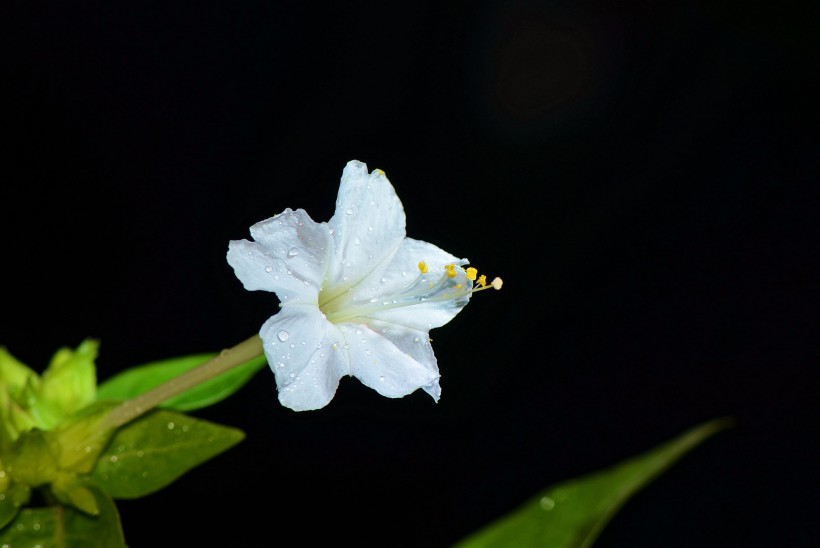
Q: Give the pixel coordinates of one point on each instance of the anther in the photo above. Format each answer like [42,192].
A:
[422,267]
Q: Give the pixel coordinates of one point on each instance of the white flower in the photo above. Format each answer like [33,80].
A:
[357,297]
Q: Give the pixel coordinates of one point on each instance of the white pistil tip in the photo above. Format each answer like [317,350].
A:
[497,283]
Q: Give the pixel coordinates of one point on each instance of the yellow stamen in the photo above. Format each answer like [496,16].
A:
[451,270]
[422,267]
[471,273]
[482,280]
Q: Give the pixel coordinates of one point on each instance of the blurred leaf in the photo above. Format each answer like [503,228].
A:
[65,527]
[153,451]
[11,500]
[573,513]
[139,379]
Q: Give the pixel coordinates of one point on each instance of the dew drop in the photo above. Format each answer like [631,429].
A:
[282,335]
[171,426]
[382,378]
[114,458]
[293,252]
[349,212]
[268,268]
[547,503]
[370,229]
[357,241]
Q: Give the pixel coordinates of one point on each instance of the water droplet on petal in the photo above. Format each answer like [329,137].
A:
[282,335]
[382,378]
[349,212]
[293,252]
[357,241]
[268,268]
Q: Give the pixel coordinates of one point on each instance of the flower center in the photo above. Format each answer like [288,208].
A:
[454,285]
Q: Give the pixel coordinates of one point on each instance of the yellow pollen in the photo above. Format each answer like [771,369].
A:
[451,270]
[423,267]
[472,273]
[378,172]
[482,280]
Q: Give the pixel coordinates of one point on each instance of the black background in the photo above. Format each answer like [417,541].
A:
[639,173]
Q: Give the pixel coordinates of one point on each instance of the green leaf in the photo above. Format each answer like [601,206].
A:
[153,451]
[65,527]
[572,514]
[11,500]
[136,380]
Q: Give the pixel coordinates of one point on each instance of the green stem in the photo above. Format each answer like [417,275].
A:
[224,361]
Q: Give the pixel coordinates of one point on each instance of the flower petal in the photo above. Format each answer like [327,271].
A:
[306,354]
[289,257]
[380,364]
[403,271]
[368,225]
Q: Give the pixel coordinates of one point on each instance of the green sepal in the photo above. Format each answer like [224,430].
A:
[13,373]
[78,441]
[572,514]
[31,460]
[65,527]
[153,451]
[13,419]
[70,382]
[69,489]
[136,380]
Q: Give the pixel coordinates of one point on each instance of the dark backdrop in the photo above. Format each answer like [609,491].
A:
[639,173]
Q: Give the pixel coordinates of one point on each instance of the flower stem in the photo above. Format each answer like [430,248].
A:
[224,361]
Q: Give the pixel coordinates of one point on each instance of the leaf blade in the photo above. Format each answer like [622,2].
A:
[136,380]
[573,513]
[152,452]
